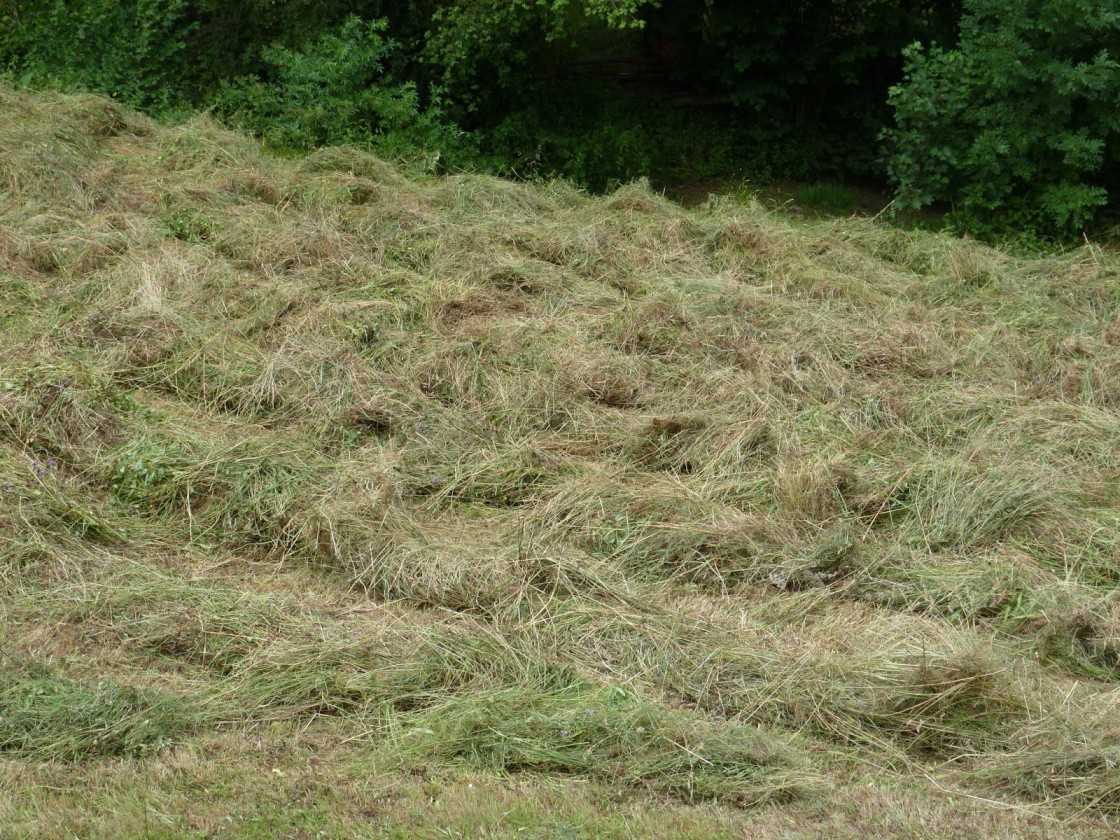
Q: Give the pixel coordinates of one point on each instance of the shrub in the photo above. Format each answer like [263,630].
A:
[1017,127]
[599,139]
[135,50]
[336,91]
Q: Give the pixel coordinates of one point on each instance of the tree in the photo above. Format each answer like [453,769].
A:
[489,49]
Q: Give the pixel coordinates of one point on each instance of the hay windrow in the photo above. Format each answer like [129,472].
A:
[430,468]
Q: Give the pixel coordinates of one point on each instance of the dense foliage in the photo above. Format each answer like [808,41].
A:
[813,72]
[1005,112]
[134,51]
[334,92]
[1019,125]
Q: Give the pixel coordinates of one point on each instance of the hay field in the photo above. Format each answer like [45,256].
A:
[335,503]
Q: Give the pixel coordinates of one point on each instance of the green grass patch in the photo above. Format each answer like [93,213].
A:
[46,715]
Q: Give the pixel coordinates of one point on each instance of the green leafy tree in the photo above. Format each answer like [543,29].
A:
[807,77]
[489,52]
[1018,127]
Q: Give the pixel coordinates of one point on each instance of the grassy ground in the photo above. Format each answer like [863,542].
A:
[335,504]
